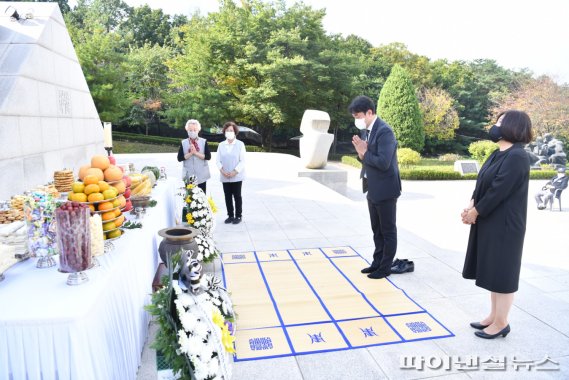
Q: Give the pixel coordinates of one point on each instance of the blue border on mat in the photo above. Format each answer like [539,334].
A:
[332,320]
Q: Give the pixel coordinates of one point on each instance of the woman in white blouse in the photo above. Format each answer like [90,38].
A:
[231,165]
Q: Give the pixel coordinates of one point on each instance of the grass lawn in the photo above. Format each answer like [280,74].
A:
[134,147]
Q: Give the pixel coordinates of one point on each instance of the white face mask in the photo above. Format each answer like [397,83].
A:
[360,123]
[560,175]
[193,135]
[230,135]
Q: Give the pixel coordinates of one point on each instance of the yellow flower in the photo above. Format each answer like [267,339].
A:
[227,340]
[189,218]
[188,199]
[212,205]
[190,186]
[218,319]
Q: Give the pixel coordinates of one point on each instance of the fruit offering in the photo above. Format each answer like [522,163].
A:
[73,237]
[141,184]
[39,208]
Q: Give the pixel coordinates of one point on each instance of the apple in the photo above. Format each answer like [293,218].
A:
[127,180]
[113,160]
[127,193]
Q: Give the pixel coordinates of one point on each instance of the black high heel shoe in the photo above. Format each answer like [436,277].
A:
[478,326]
[481,334]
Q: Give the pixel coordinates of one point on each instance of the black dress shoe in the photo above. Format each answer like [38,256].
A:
[229,220]
[403,267]
[368,270]
[397,261]
[236,220]
[376,275]
[481,334]
[478,326]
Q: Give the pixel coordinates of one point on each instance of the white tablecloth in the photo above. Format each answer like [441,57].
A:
[97,330]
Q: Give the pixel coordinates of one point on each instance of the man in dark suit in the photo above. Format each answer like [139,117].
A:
[381,180]
[545,195]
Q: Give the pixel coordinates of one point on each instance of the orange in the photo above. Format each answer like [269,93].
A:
[110,193]
[103,186]
[90,180]
[113,174]
[78,187]
[116,203]
[108,215]
[118,212]
[92,208]
[105,206]
[83,171]
[119,221]
[100,161]
[113,234]
[95,197]
[79,197]
[70,196]
[96,172]
[108,226]
[122,200]
[92,188]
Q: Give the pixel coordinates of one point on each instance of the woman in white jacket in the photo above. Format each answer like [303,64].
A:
[231,165]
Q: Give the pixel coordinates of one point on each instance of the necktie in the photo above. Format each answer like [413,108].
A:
[364,134]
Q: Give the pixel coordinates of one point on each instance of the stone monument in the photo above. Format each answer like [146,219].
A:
[48,120]
[466,166]
[314,147]
[315,141]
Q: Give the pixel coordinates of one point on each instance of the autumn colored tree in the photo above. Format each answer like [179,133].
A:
[546,102]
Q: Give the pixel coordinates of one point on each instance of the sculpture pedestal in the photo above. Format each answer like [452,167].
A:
[331,176]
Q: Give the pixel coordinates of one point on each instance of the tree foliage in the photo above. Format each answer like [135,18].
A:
[262,64]
[103,66]
[440,119]
[546,102]
[399,107]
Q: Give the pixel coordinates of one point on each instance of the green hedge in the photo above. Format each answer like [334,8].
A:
[172,141]
[441,173]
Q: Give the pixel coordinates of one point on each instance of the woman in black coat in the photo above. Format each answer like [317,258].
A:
[497,215]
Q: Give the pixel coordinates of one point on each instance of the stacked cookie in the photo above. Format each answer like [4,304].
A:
[10,216]
[63,179]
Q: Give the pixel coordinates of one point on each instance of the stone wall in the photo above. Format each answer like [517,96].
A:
[48,120]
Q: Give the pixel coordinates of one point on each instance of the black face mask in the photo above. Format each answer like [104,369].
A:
[495,133]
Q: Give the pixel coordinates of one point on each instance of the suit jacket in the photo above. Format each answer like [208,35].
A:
[380,164]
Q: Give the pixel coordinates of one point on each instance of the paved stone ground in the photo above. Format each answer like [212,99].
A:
[283,211]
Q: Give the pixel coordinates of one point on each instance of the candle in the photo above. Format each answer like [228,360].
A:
[108,135]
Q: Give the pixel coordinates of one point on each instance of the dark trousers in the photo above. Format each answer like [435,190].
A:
[383,225]
[232,190]
[202,186]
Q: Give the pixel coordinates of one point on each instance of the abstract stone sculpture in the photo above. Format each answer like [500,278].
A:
[316,141]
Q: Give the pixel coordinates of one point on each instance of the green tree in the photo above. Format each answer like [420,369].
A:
[146,26]
[100,56]
[399,107]
[109,14]
[262,65]
[148,81]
